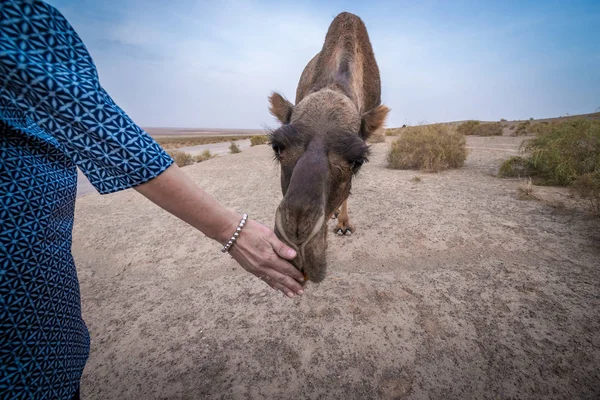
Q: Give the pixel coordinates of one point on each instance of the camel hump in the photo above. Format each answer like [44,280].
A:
[347,25]
[347,63]
[346,17]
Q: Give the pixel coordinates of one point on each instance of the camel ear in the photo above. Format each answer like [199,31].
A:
[373,120]
[281,108]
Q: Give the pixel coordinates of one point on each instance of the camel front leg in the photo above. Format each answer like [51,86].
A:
[344,227]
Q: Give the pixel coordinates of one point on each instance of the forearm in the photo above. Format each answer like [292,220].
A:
[175,192]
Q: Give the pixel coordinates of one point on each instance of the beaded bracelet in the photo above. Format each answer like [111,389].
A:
[231,241]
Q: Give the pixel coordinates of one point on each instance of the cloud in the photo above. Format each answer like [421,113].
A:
[213,64]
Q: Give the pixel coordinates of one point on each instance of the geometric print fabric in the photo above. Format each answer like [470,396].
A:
[54,116]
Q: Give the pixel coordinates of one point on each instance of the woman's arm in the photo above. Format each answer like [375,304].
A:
[49,87]
[257,249]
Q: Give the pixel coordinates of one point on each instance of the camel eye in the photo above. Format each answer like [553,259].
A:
[277,150]
[356,164]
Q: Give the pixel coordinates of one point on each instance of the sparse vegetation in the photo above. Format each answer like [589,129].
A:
[429,148]
[569,151]
[183,158]
[468,127]
[168,142]
[234,148]
[489,129]
[525,190]
[588,187]
[502,119]
[258,140]
[515,166]
[522,128]
[566,154]
[480,129]
[416,179]
[205,155]
[539,128]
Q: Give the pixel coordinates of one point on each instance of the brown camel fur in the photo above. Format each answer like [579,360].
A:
[322,142]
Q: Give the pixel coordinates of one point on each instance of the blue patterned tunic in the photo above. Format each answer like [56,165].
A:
[54,116]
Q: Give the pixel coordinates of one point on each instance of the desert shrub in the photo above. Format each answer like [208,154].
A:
[234,148]
[181,158]
[489,129]
[258,140]
[176,142]
[205,155]
[540,128]
[515,166]
[566,154]
[502,119]
[588,187]
[512,128]
[522,128]
[570,150]
[468,127]
[428,147]
[480,129]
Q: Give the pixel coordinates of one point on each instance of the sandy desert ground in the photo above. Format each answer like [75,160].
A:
[451,288]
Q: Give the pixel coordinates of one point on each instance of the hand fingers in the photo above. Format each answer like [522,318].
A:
[279,286]
[281,248]
[285,268]
[287,281]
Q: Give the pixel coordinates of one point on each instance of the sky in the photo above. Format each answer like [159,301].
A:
[213,64]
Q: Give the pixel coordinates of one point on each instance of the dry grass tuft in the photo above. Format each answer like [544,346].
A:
[541,128]
[205,155]
[258,140]
[538,128]
[234,148]
[489,129]
[525,190]
[416,179]
[181,158]
[468,127]
[522,128]
[587,186]
[429,148]
[480,129]
[169,142]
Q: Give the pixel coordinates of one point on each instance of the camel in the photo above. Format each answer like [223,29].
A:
[321,143]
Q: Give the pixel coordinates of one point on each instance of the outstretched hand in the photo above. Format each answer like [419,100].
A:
[256,249]
[261,253]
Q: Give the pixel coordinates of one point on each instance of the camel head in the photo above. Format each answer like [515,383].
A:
[320,147]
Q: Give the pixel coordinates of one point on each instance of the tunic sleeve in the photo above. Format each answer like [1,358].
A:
[48,78]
